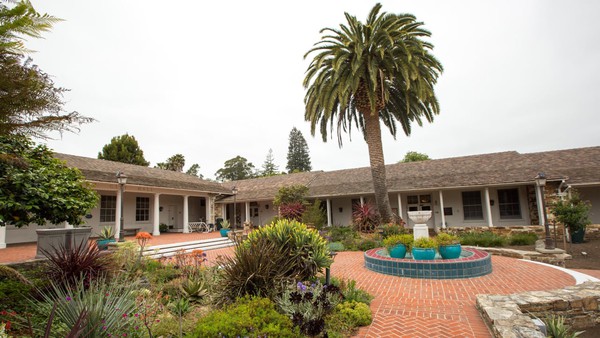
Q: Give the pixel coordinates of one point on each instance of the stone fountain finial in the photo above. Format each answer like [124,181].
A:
[420,218]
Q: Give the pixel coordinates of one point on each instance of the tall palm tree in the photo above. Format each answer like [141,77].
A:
[364,73]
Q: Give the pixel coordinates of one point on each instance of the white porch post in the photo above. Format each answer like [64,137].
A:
[538,200]
[442,210]
[362,201]
[186,223]
[224,211]
[68,225]
[118,212]
[3,237]
[328,212]
[208,204]
[400,213]
[488,207]
[247,211]
[156,219]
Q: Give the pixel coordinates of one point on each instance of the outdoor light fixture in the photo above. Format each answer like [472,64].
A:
[540,182]
[234,191]
[122,180]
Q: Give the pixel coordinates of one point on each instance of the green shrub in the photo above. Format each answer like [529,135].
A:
[573,212]
[162,274]
[354,313]
[336,246]
[307,248]
[315,215]
[352,293]
[12,293]
[247,317]
[341,233]
[368,244]
[446,239]
[258,267]
[392,229]
[308,304]
[484,239]
[425,243]
[394,240]
[523,238]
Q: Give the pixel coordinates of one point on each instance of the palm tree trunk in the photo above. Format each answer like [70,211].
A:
[373,133]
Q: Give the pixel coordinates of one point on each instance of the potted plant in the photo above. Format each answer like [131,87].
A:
[162,228]
[448,246]
[424,248]
[225,228]
[574,214]
[107,235]
[398,245]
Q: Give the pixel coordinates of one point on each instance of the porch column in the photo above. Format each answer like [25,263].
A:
[186,224]
[3,237]
[156,219]
[224,211]
[247,211]
[362,201]
[328,212]
[442,210]
[118,212]
[209,206]
[488,207]
[68,225]
[400,213]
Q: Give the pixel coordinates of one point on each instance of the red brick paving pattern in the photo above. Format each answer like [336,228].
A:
[405,307]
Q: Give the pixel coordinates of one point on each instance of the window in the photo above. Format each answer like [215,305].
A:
[108,208]
[472,205]
[142,209]
[508,202]
[448,211]
[414,199]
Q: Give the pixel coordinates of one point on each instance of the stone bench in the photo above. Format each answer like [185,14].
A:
[131,231]
[511,316]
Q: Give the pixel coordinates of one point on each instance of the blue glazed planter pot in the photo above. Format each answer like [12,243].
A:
[397,251]
[103,243]
[423,254]
[224,232]
[450,251]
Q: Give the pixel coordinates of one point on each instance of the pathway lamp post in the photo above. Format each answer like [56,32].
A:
[122,180]
[234,191]
[540,182]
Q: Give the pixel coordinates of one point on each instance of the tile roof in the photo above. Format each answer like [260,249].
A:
[105,171]
[581,166]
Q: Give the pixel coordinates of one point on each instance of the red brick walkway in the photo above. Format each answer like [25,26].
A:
[405,307]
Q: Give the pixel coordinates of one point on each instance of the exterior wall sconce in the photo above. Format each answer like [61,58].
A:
[341,209]
[266,206]
[492,202]
[160,209]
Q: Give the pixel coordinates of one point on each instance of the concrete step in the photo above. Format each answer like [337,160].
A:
[168,250]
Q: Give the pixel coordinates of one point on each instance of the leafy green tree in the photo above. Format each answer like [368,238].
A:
[173,163]
[125,149]
[291,194]
[364,73]
[297,157]
[413,156]
[30,104]
[237,168]
[37,188]
[194,170]
[269,168]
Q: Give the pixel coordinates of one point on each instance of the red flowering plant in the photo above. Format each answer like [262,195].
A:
[142,238]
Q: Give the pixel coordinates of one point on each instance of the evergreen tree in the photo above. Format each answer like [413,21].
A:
[123,149]
[30,103]
[269,168]
[237,168]
[194,171]
[298,157]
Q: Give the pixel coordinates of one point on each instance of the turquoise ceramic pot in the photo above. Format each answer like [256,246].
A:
[423,254]
[450,251]
[224,232]
[103,243]
[397,251]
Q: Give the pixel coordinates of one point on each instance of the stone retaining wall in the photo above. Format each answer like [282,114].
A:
[512,316]
[591,232]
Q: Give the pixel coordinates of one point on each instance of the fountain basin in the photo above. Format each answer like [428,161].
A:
[472,263]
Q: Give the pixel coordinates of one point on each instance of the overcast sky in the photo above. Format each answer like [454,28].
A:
[216,79]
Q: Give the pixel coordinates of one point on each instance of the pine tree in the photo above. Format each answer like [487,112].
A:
[173,163]
[123,149]
[298,157]
[269,167]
